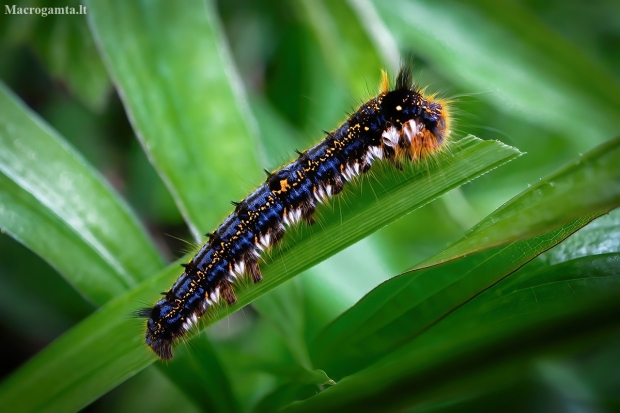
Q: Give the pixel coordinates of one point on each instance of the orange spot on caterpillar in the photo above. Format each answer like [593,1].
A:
[284,186]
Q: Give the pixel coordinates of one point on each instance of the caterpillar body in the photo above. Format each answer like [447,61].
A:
[400,123]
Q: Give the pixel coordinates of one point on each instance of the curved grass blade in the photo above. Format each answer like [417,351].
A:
[90,359]
[489,341]
[407,305]
[589,185]
[365,208]
[600,237]
[183,101]
[53,202]
[107,347]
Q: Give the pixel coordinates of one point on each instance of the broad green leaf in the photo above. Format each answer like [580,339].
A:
[562,295]
[501,49]
[59,207]
[490,340]
[107,347]
[407,305]
[184,101]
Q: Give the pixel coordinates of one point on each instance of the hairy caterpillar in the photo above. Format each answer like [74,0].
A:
[398,124]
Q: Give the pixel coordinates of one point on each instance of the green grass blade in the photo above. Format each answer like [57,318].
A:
[365,208]
[59,207]
[407,305]
[591,184]
[490,340]
[182,99]
[107,347]
[93,357]
[521,65]
[600,237]
[584,286]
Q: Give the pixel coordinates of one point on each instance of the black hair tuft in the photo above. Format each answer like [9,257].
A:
[142,312]
[404,80]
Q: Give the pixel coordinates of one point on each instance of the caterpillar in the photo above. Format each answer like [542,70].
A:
[398,124]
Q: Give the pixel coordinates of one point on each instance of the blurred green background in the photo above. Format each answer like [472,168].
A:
[542,76]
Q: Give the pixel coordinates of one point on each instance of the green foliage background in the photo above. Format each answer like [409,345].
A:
[141,120]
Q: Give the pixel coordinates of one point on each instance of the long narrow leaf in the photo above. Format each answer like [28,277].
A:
[107,348]
[407,305]
[183,100]
[590,184]
[475,347]
[59,207]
